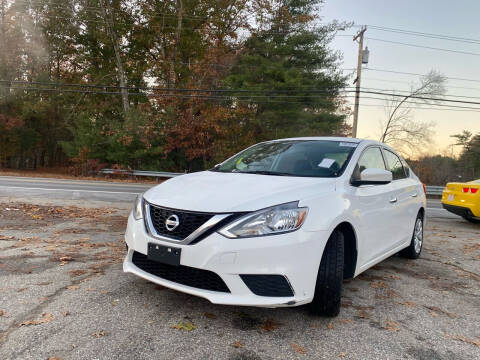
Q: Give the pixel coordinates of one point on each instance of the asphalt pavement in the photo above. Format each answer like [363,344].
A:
[63,295]
[71,189]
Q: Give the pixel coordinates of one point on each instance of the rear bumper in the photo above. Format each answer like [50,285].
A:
[295,256]
[464,212]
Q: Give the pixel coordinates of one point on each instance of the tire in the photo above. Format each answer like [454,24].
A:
[328,288]
[472,220]
[414,250]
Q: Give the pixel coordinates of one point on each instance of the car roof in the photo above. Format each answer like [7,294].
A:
[333,138]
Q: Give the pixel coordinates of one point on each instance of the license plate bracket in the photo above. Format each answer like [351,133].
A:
[451,197]
[164,254]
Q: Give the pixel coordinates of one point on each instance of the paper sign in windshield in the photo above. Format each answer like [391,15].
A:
[326,163]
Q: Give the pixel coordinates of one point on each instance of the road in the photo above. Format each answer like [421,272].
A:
[115,192]
[70,189]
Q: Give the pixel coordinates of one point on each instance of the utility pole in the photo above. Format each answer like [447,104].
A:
[359,36]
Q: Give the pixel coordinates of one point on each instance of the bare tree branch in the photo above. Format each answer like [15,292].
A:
[400,129]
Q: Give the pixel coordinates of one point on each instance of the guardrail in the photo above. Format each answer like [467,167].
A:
[435,190]
[157,174]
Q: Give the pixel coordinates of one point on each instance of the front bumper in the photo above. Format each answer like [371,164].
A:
[295,255]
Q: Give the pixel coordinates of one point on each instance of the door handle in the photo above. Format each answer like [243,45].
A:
[414,194]
[393,200]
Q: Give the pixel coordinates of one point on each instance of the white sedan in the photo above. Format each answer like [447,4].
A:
[281,223]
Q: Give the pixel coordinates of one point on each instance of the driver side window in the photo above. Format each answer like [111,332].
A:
[371,158]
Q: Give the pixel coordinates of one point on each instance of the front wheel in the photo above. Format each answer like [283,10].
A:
[472,220]
[414,250]
[328,288]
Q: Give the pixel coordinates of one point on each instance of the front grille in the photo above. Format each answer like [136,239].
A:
[188,221]
[185,275]
[268,285]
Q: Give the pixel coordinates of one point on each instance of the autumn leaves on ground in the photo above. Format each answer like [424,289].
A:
[63,295]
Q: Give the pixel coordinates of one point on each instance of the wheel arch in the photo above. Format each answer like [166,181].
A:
[350,249]
[421,212]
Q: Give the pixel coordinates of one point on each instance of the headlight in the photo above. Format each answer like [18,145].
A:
[274,220]
[138,207]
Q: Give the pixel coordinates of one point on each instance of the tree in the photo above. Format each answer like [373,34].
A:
[260,69]
[401,129]
[287,75]
[470,157]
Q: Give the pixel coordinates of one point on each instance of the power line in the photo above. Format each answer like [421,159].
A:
[410,83]
[268,100]
[148,88]
[409,91]
[417,74]
[249,98]
[328,91]
[424,34]
[422,108]
[424,47]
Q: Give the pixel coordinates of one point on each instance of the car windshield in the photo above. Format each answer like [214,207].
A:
[311,158]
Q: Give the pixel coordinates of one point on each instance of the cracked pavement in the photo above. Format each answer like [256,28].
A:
[63,295]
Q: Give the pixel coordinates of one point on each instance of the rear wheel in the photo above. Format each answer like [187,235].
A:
[328,288]
[414,250]
[472,220]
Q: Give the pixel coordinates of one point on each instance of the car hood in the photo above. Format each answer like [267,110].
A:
[210,191]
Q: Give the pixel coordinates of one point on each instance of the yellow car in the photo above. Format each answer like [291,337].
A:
[463,199]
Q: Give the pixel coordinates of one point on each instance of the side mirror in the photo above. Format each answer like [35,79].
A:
[373,176]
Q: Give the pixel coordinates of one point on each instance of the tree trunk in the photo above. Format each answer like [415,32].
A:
[3,51]
[116,48]
[172,74]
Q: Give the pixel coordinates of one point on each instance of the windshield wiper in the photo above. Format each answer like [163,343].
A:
[266,172]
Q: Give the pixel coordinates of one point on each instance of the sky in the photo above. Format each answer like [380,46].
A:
[459,19]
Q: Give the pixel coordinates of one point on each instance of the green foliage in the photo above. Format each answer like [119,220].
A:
[291,61]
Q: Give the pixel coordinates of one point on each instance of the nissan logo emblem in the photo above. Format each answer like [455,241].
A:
[172,222]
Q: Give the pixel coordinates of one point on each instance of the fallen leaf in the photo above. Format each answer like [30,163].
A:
[435,311]
[378,284]
[394,277]
[65,313]
[408,303]
[99,334]
[270,325]
[342,355]
[464,339]
[187,326]
[210,315]
[363,314]
[330,325]
[22,289]
[46,317]
[298,349]
[391,326]
[77,272]
[237,344]
[73,287]
[54,358]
